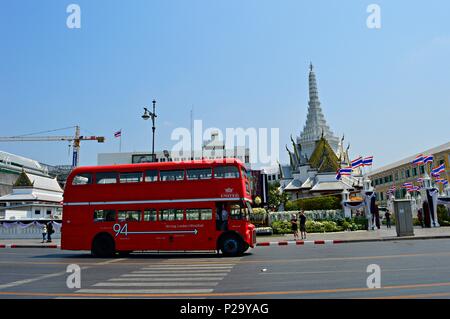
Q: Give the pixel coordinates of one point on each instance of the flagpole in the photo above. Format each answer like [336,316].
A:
[120,142]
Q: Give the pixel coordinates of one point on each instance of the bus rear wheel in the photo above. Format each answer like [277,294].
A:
[231,246]
[103,246]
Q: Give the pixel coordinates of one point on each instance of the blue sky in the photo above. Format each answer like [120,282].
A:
[238,63]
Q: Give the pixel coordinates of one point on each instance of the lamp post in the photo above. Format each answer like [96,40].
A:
[147,114]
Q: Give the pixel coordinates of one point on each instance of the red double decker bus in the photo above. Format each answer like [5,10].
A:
[170,206]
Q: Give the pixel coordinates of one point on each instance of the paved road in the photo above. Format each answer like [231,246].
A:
[409,269]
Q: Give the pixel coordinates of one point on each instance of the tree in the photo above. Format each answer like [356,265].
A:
[276,197]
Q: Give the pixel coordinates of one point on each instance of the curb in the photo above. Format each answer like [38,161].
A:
[299,242]
[29,246]
[342,241]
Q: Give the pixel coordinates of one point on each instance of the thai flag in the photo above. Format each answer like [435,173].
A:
[445,182]
[407,185]
[420,180]
[418,160]
[346,171]
[439,169]
[440,180]
[338,175]
[118,133]
[414,189]
[392,188]
[428,159]
[367,161]
[357,162]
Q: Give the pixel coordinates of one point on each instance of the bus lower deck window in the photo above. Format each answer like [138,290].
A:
[104,215]
[150,215]
[129,216]
[199,214]
[171,214]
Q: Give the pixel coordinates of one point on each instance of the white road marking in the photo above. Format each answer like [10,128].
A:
[62,273]
[180,271]
[157,274]
[154,284]
[159,279]
[144,291]
[187,268]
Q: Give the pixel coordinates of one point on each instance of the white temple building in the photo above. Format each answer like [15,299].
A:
[33,197]
[317,155]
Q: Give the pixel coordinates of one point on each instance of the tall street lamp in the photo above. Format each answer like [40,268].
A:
[147,114]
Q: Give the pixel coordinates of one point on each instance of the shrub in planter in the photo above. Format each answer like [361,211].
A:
[281,227]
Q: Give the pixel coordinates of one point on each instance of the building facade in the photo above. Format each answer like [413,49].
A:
[403,171]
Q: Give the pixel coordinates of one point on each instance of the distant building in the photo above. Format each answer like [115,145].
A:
[273,174]
[404,171]
[32,197]
[317,155]
[211,149]
[12,165]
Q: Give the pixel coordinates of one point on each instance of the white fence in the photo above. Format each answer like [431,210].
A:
[310,214]
[27,229]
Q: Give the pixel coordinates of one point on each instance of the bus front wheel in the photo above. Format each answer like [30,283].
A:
[103,246]
[231,246]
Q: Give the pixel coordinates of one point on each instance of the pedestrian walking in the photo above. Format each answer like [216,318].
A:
[44,232]
[420,216]
[303,224]
[387,215]
[50,231]
[294,225]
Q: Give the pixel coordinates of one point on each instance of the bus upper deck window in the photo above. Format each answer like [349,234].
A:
[106,178]
[151,176]
[175,175]
[82,179]
[226,172]
[135,177]
[201,173]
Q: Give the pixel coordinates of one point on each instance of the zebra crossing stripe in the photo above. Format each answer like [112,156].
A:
[154,284]
[145,291]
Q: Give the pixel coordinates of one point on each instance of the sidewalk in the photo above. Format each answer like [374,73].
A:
[383,234]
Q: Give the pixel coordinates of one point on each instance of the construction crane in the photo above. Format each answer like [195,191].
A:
[74,139]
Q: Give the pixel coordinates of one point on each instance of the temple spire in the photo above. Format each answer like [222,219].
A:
[316,125]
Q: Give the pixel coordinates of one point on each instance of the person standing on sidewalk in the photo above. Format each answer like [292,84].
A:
[388,219]
[303,224]
[44,232]
[50,231]
[294,226]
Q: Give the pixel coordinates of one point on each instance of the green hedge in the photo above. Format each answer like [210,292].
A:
[315,203]
[322,226]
